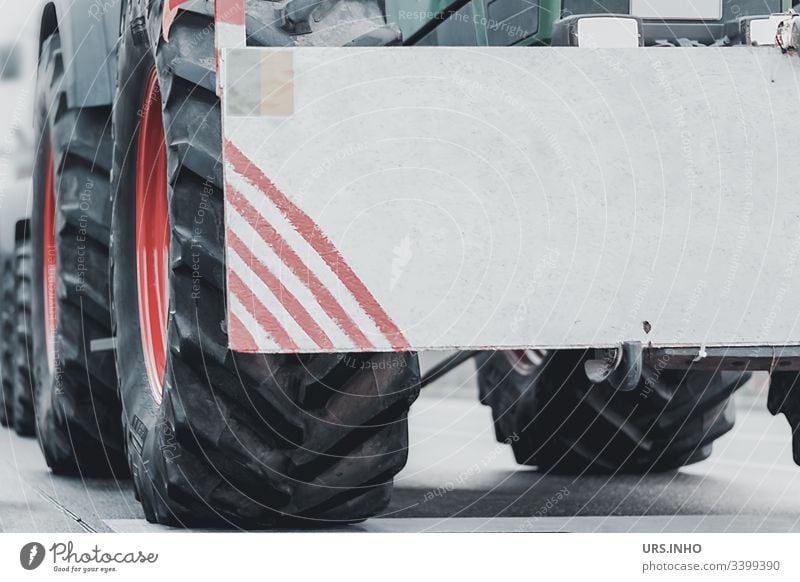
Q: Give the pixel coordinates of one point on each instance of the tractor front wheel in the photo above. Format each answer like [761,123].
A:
[214,436]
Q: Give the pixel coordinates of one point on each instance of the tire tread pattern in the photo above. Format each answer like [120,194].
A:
[557,420]
[79,417]
[24,414]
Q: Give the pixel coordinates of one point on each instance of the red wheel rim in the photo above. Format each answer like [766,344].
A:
[49,263]
[152,236]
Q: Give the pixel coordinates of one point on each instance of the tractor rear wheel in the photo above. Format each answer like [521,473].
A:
[557,420]
[217,437]
[24,416]
[78,410]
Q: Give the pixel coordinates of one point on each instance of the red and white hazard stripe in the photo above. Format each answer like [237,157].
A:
[230,31]
[229,17]
[288,284]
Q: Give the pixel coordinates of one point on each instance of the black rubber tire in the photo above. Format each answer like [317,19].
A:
[784,398]
[24,415]
[7,345]
[237,440]
[79,413]
[558,421]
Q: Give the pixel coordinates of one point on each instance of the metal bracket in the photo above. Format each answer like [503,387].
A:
[741,358]
[620,367]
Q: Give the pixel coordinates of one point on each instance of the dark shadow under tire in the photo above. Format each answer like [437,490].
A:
[235,440]
[79,413]
[558,421]
[24,415]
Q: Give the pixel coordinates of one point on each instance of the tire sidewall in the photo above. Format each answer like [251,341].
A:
[140,408]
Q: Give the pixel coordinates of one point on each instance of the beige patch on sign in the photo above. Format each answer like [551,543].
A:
[277,83]
[259,83]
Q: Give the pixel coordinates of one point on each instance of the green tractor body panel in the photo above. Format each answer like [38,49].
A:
[530,22]
[475,22]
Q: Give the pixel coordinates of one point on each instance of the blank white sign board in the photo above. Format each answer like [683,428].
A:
[432,198]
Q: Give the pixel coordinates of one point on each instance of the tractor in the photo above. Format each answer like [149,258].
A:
[214,297]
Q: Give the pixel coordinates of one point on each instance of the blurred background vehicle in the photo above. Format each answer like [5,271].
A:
[17,74]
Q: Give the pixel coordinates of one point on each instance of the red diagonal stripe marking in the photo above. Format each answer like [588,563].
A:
[240,339]
[291,259]
[261,314]
[287,299]
[314,236]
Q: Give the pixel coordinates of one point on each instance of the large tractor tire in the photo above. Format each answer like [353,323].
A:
[7,342]
[24,416]
[557,420]
[79,413]
[214,436]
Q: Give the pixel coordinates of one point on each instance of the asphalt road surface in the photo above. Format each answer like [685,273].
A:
[459,479]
